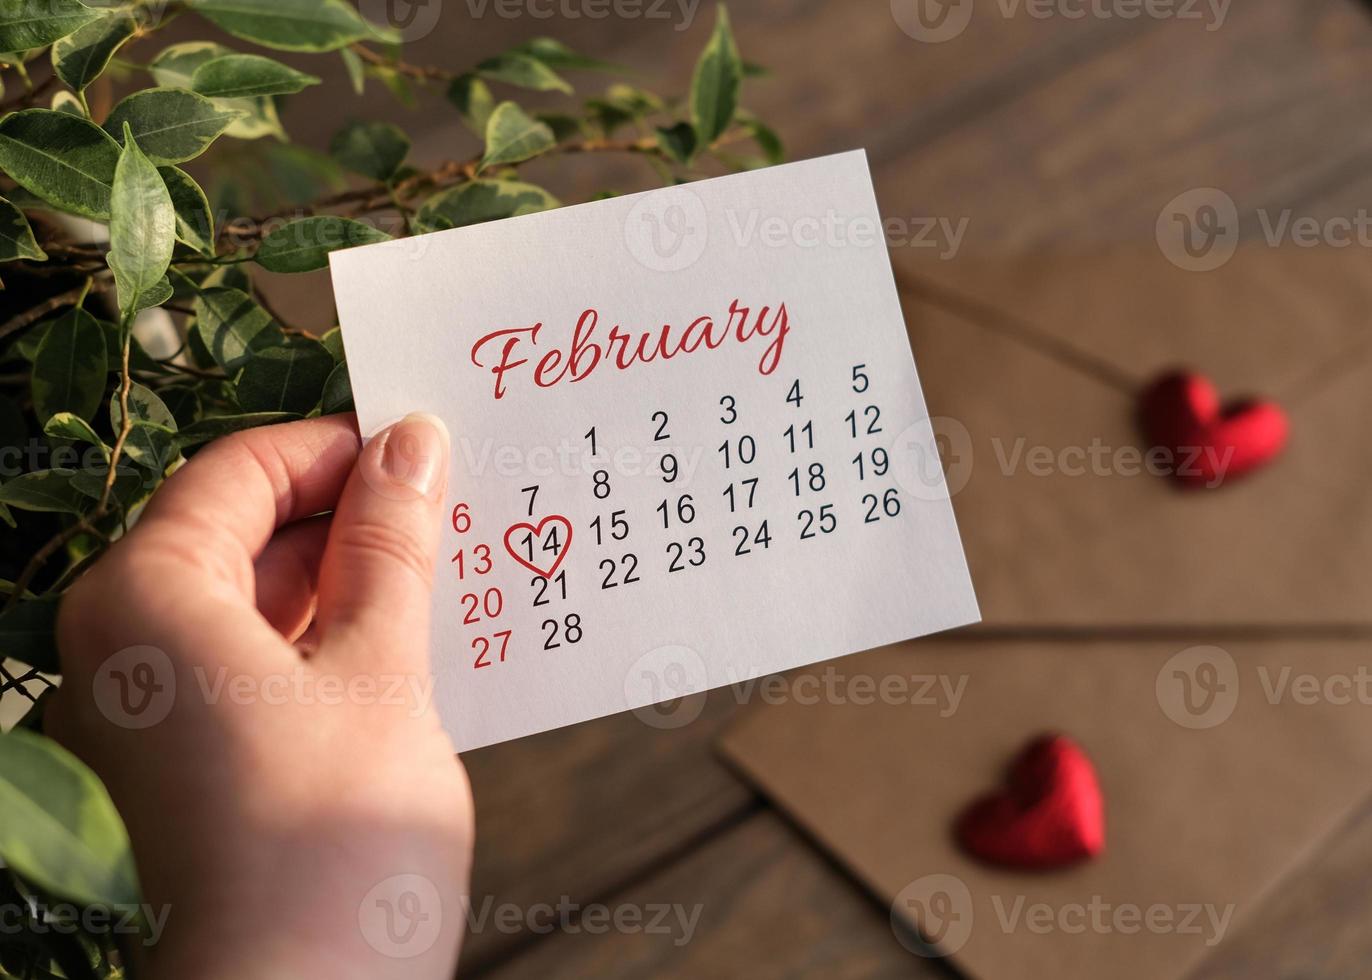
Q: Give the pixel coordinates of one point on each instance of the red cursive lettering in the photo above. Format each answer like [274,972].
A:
[623,348]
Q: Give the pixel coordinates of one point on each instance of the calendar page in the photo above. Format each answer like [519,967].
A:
[689,445]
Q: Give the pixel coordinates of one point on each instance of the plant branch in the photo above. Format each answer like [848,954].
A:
[86,523]
[125,421]
[97,283]
[41,556]
[378,196]
[423,73]
[31,96]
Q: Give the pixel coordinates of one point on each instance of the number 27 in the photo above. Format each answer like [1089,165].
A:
[482,646]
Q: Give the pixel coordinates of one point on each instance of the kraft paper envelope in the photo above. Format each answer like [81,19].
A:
[1222,767]
[1060,523]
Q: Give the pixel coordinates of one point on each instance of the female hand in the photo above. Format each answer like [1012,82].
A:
[251,681]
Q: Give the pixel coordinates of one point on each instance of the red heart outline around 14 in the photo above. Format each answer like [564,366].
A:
[537,532]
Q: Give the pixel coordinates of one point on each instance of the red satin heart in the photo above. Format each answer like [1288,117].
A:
[537,532]
[1049,814]
[1210,442]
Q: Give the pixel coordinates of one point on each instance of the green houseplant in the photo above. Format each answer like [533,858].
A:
[103,225]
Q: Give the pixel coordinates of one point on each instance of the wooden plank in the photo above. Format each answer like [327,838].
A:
[1267,108]
[767,907]
[1314,925]
[576,811]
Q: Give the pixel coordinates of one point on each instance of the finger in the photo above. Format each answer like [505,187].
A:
[287,575]
[377,574]
[217,513]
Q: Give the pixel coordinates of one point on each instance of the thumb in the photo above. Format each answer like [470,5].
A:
[376,575]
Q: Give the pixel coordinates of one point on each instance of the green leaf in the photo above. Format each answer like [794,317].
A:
[171,125]
[333,342]
[289,378]
[236,76]
[45,490]
[714,87]
[144,406]
[523,70]
[258,118]
[512,136]
[564,126]
[27,633]
[69,367]
[142,230]
[129,487]
[607,115]
[66,161]
[175,66]
[66,101]
[481,200]
[338,392]
[65,425]
[232,326]
[290,25]
[194,221]
[473,100]
[555,54]
[79,58]
[396,82]
[26,24]
[61,831]
[222,425]
[372,149]
[16,237]
[152,432]
[634,100]
[183,403]
[678,142]
[304,245]
[357,71]
[767,140]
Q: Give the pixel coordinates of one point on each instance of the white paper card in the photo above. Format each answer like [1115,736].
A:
[689,445]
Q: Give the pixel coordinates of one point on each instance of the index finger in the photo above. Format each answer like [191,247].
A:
[219,511]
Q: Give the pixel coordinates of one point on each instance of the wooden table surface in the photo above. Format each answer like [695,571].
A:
[1042,133]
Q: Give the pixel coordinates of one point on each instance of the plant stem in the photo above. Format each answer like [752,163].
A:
[86,524]
[26,99]
[423,73]
[72,297]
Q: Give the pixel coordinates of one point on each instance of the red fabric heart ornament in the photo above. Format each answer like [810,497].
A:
[1049,814]
[1210,442]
